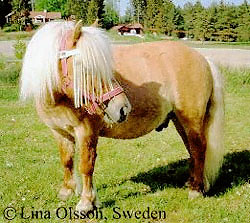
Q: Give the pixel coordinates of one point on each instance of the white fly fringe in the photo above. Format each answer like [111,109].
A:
[92,67]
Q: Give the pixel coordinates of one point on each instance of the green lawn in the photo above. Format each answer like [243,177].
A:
[211,44]
[15,35]
[149,172]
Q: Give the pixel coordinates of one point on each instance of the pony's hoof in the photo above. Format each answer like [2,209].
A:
[78,187]
[187,184]
[193,194]
[206,185]
[84,207]
[65,193]
[97,203]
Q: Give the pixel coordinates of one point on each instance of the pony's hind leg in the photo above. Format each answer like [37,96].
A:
[197,143]
[194,139]
[181,131]
[66,148]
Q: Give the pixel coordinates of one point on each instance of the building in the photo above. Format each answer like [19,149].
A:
[9,16]
[37,17]
[43,17]
[136,28]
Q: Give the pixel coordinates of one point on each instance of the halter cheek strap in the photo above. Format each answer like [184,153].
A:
[61,55]
[64,54]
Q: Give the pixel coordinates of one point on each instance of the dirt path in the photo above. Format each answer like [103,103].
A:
[6,48]
[227,57]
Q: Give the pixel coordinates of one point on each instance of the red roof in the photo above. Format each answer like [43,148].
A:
[135,26]
[49,15]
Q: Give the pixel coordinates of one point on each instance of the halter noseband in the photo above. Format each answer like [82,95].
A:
[95,102]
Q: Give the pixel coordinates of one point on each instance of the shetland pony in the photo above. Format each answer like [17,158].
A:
[68,70]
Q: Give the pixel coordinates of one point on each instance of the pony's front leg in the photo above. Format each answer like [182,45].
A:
[87,142]
[66,148]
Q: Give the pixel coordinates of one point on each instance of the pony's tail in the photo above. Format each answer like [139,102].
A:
[214,130]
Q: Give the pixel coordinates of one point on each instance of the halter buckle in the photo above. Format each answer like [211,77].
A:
[68,53]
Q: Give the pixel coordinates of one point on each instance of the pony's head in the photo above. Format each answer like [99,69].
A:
[86,73]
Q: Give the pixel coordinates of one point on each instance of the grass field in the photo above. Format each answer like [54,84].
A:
[211,44]
[15,35]
[145,174]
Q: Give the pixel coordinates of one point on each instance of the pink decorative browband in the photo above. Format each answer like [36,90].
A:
[95,102]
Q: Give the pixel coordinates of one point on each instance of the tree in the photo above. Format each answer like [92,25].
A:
[51,6]
[128,17]
[188,14]
[100,9]
[5,8]
[92,13]
[86,10]
[78,8]
[111,17]
[226,22]
[212,14]
[243,19]
[200,21]
[168,17]
[159,23]
[21,10]
[139,9]
[178,21]
[153,14]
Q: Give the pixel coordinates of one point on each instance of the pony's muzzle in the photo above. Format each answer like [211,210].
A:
[118,109]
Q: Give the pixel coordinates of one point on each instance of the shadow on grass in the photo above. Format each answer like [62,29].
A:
[173,175]
[235,171]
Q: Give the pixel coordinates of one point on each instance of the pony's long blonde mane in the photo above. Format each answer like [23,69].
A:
[92,66]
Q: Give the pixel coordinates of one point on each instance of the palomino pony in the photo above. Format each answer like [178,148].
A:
[68,70]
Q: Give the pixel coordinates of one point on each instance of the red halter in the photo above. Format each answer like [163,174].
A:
[95,102]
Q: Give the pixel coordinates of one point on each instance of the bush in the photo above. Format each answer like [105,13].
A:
[9,71]
[20,48]
[12,28]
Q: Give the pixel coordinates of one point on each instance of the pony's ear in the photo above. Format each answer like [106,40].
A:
[77,31]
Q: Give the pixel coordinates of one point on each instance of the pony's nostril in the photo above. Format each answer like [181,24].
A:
[122,111]
[122,115]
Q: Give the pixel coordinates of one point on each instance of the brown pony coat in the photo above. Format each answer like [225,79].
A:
[158,78]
